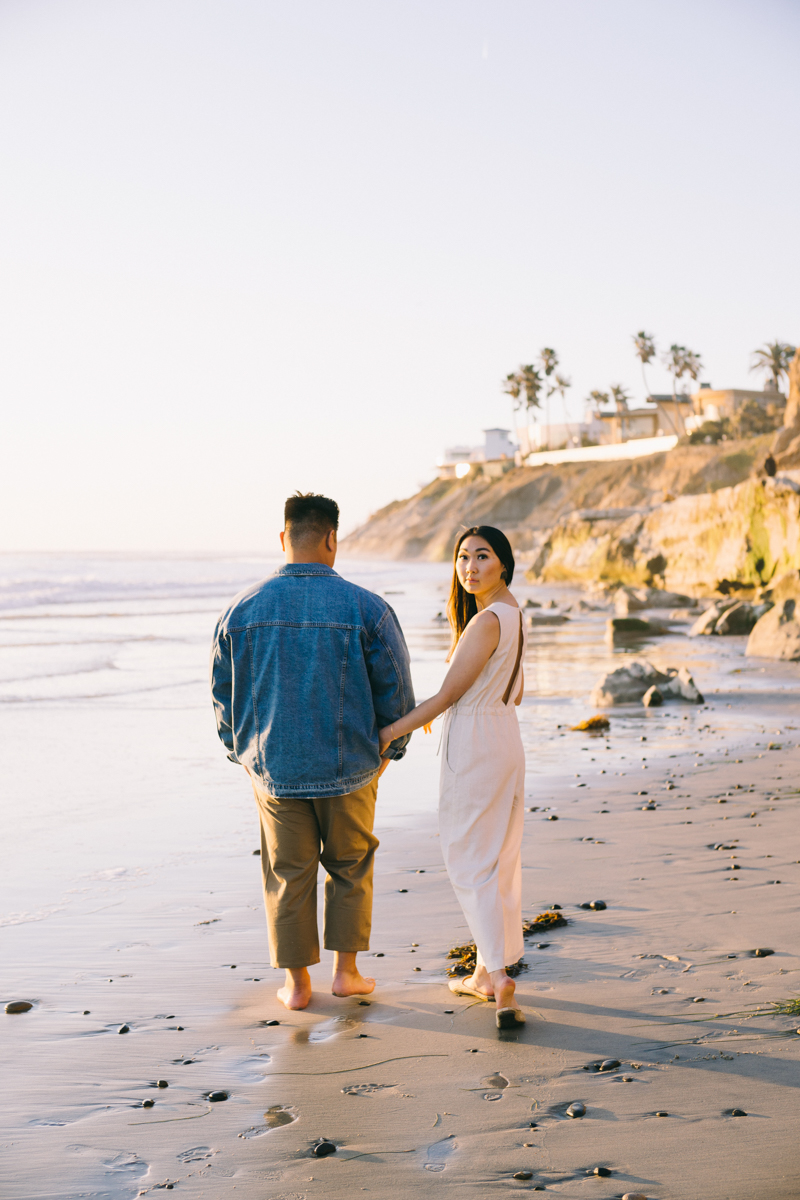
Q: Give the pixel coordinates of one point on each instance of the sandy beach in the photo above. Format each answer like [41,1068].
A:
[140,943]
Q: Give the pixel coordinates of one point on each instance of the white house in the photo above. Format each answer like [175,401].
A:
[496,455]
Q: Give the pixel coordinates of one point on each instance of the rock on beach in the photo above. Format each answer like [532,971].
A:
[629,685]
[777,633]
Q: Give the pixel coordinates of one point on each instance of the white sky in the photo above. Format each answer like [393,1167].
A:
[249,246]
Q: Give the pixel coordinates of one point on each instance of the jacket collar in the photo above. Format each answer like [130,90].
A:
[306,569]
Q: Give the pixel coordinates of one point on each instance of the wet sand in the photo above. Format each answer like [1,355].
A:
[404,1088]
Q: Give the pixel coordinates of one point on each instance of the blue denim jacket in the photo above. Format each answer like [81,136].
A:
[305,668]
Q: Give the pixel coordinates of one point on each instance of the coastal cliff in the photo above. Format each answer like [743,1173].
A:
[688,519]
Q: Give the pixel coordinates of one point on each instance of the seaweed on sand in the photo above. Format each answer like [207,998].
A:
[467,960]
[545,920]
[466,956]
[591,724]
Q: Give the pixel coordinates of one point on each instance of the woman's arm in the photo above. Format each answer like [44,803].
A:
[477,645]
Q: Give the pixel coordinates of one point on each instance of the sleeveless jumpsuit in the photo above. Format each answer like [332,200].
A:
[481,801]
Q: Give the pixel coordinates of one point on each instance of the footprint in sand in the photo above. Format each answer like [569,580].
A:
[196,1154]
[274,1118]
[497,1084]
[439,1152]
[368,1089]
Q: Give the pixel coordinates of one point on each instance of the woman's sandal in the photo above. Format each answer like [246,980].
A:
[509,1018]
[461,989]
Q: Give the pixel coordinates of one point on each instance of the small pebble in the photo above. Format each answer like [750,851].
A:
[698,1000]
[257,852]
[124,1029]
[362,1035]
[627,1078]
[323,1149]
[417,968]
[552,817]
[542,945]
[523,1174]
[576,1109]
[161,1083]
[421,871]
[363,1003]
[634,1196]
[602,1171]
[402,891]
[763,952]
[556,907]
[449,1012]
[20,1006]
[738,1112]
[662,1114]
[597,905]
[609,1064]
[533,1125]
[380,954]
[641,793]
[179,1028]
[272,1022]
[148,1103]
[87,1012]
[215,1097]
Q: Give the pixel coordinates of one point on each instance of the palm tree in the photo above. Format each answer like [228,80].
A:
[679,362]
[600,398]
[532,383]
[773,358]
[620,397]
[512,386]
[548,360]
[645,345]
[559,385]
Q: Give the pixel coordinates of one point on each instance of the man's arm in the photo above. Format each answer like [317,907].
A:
[222,688]
[389,669]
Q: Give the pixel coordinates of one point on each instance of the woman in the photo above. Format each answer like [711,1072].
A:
[481,790]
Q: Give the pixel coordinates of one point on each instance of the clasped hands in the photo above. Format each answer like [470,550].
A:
[386,737]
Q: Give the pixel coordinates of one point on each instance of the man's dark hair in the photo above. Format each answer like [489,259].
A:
[307,515]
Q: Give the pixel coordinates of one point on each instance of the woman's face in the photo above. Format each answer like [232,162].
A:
[478,568]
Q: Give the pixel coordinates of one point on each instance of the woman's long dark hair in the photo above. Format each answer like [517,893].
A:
[461,606]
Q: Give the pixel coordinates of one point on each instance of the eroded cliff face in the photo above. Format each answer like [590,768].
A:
[786,446]
[748,534]
[533,505]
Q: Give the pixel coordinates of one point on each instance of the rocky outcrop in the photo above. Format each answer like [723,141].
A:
[786,446]
[777,633]
[639,678]
[729,617]
[739,536]
[528,503]
[698,520]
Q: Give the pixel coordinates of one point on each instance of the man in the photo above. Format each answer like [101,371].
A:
[305,668]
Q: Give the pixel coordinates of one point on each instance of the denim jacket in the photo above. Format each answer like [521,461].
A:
[305,668]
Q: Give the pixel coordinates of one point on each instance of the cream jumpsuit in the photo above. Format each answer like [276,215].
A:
[481,800]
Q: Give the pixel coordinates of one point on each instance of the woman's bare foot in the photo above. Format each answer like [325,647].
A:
[480,981]
[504,988]
[347,979]
[296,991]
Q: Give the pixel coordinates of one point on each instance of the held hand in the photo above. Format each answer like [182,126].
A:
[384,738]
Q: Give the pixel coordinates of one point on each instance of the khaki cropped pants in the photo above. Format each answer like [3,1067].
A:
[296,836]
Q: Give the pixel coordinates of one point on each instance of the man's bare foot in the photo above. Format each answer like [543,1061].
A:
[296,991]
[347,979]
